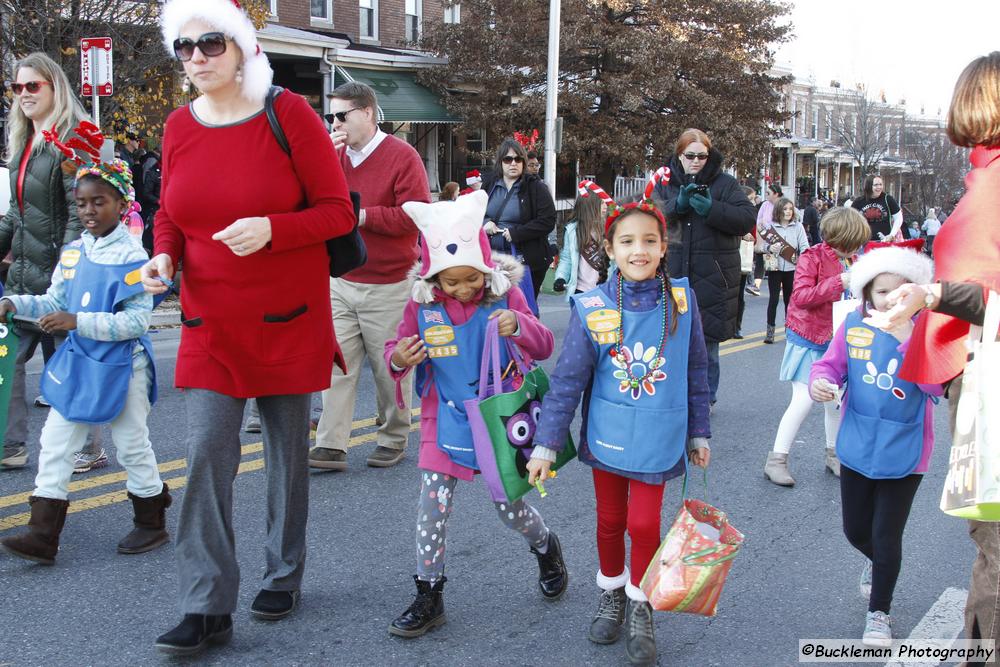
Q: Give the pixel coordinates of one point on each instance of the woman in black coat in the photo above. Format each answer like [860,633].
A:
[707,214]
[520,212]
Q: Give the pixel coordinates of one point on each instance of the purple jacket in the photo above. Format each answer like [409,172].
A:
[833,368]
[574,377]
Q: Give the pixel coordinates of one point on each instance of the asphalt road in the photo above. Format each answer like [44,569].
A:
[796,576]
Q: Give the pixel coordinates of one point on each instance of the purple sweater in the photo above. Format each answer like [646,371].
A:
[833,368]
[574,377]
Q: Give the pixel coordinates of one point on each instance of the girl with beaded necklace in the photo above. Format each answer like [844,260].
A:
[635,352]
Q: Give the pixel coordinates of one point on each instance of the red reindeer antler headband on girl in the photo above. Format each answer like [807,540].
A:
[84,151]
[660,177]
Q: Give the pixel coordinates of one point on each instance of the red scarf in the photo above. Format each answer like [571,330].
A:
[967,249]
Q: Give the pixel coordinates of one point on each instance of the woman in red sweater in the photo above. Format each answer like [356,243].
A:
[249,223]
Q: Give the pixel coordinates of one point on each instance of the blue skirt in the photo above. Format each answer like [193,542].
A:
[797,362]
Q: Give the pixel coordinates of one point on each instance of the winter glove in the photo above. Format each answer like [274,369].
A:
[684,198]
[701,204]
[559,285]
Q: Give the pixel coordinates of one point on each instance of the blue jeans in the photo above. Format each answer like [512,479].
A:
[713,368]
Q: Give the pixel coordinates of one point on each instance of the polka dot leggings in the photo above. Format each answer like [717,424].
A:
[437,492]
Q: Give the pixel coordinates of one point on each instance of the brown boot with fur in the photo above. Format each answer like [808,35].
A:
[41,541]
[150,523]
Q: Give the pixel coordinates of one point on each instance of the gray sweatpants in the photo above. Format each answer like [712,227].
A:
[208,573]
[437,491]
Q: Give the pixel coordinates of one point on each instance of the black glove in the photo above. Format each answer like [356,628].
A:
[559,285]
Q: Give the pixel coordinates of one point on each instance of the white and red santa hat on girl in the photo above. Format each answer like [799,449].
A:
[452,235]
[228,17]
[473,177]
[904,261]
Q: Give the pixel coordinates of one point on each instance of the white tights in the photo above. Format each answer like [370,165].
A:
[797,412]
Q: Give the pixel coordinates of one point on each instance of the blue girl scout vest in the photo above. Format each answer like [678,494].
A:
[882,431]
[87,380]
[455,353]
[637,429]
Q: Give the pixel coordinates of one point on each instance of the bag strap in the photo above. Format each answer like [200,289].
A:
[272,119]
[491,359]
[684,486]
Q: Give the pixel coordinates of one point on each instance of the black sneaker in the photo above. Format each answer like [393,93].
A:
[385,457]
[426,612]
[327,459]
[195,633]
[274,605]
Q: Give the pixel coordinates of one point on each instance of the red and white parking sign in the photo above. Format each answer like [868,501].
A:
[96,71]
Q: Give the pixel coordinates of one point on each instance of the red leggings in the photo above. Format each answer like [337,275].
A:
[626,503]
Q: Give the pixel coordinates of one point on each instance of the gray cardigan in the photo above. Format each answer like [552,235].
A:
[795,235]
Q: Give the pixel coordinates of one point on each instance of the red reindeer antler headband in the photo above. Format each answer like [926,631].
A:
[88,140]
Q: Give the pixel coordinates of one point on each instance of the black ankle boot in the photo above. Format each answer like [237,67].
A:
[196,632]
[552,575]
[426,612]
[607,624]
[640,643]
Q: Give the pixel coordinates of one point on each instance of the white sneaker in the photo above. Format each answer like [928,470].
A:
[878,630]
[866,580]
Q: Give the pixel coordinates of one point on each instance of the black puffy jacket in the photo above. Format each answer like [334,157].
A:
[706,250]
[48,221]
[538,219]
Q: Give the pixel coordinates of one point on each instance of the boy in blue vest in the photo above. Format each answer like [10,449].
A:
[635,353]
[886,434]
[103,372]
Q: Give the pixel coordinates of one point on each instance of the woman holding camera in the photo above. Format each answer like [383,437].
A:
[707,215]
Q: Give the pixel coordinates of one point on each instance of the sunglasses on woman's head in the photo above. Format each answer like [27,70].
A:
[509,159]
[210,44]
[696,156]
[31,86]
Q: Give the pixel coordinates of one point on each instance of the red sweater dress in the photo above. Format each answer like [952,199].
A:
[258,325]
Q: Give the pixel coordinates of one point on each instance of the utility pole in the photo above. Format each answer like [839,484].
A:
[552,96]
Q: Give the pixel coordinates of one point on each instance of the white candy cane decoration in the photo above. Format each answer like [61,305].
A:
[587,186]
[660,176]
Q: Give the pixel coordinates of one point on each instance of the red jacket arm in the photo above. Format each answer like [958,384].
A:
[167,236]
[809,290]
[328,211]
[533,337]
[410,184]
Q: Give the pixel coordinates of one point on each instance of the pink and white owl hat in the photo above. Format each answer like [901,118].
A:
[452,235]
[228,17]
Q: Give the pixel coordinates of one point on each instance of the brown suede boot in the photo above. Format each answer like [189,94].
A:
[150,523]
[41,542]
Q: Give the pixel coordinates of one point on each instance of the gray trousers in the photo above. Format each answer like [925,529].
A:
[208,573]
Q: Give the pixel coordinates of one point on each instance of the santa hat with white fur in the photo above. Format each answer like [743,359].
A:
[915,266]
[473,177]
[452,235]
[228,17]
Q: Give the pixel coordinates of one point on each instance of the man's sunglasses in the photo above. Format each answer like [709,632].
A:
[696,156]
[31,86]
[510,159]
[210,44]
[340,115]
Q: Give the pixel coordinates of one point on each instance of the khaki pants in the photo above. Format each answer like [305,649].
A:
[365,317]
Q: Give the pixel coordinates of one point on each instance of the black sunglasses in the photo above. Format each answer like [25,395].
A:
[340,115]
[696,156]
[31,86]
[210,44]
[509,159]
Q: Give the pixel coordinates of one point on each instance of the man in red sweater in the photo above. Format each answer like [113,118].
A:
[368,303]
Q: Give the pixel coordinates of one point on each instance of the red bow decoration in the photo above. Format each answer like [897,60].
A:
[529,141]
[88,141]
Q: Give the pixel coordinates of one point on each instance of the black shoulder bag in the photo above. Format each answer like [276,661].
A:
[346,252]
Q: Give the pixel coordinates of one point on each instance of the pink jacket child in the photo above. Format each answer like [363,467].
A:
[818,283]
[460,288]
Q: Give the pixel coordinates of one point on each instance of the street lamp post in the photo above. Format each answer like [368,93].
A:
[552,96]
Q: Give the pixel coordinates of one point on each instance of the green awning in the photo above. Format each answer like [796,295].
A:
[401,99]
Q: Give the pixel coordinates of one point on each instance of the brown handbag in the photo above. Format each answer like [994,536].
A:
[787,252]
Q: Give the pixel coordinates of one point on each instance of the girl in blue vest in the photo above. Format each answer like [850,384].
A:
[103,373]
[887,431]
[459,287]
[634,351]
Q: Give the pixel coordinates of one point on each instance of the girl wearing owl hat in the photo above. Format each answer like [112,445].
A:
[886,433]
[103,373]
[459,287]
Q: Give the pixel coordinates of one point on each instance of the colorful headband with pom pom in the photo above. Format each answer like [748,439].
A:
[660,177]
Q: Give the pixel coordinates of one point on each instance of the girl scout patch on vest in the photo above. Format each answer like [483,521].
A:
[859,341]
[603,325]
[680,298]
[439,335]
[70,257]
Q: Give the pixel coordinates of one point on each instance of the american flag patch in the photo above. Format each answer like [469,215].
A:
[592,302]
[433,316]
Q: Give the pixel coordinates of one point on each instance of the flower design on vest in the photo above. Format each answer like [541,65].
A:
[640,360]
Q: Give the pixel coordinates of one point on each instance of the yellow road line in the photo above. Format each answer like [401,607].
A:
[747,346]
[105,499]
[168,466]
